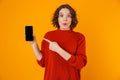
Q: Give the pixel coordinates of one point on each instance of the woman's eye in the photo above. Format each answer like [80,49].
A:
[61,15]
[69,16]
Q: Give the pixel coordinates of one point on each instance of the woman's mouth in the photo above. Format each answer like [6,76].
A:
[64,24]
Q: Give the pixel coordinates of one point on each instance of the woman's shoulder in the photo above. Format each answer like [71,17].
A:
[79,35]
[50,33]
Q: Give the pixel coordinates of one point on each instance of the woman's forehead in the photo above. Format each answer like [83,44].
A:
[64,11]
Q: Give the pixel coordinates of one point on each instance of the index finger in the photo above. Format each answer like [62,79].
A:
[47,40]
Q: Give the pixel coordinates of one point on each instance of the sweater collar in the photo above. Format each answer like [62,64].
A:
[59,30]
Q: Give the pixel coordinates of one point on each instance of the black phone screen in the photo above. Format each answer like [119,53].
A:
[28,33]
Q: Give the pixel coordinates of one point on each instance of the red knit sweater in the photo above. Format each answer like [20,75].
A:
[56,67]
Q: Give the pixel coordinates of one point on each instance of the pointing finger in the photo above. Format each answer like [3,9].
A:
[47,40]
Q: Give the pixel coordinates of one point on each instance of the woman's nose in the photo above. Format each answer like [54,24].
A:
[65,18]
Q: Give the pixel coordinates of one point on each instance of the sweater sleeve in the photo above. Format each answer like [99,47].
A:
[79,60]
[44,50]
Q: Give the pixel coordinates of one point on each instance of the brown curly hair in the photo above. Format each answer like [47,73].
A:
[72,12]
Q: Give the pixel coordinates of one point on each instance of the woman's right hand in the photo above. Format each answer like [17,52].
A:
[34,41]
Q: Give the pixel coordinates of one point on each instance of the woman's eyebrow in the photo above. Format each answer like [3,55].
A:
[60,13]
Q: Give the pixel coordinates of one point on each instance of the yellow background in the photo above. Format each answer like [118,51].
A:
[99,21]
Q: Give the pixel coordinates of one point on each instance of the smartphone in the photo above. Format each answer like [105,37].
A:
[28,33]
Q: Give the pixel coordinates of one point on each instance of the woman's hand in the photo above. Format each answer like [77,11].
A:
[56,48]
[53,45]
[34,41]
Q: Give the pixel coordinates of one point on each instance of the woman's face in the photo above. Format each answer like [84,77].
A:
[64,19]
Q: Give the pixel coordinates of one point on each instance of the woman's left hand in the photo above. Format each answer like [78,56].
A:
[53,45]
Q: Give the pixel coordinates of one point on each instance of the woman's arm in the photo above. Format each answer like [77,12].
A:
[36,50]
[64,53]
[56,48]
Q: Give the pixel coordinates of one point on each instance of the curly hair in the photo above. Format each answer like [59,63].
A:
[72,12]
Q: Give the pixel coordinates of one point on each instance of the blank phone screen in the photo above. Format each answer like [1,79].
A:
[28,33]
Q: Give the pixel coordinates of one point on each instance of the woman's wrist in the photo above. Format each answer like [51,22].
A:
[34,44]
[63,53]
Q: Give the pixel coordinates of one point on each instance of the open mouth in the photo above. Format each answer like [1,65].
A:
[64,24]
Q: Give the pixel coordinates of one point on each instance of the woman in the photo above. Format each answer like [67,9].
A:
[63,50]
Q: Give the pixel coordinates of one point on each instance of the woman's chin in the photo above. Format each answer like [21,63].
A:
[65,28]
